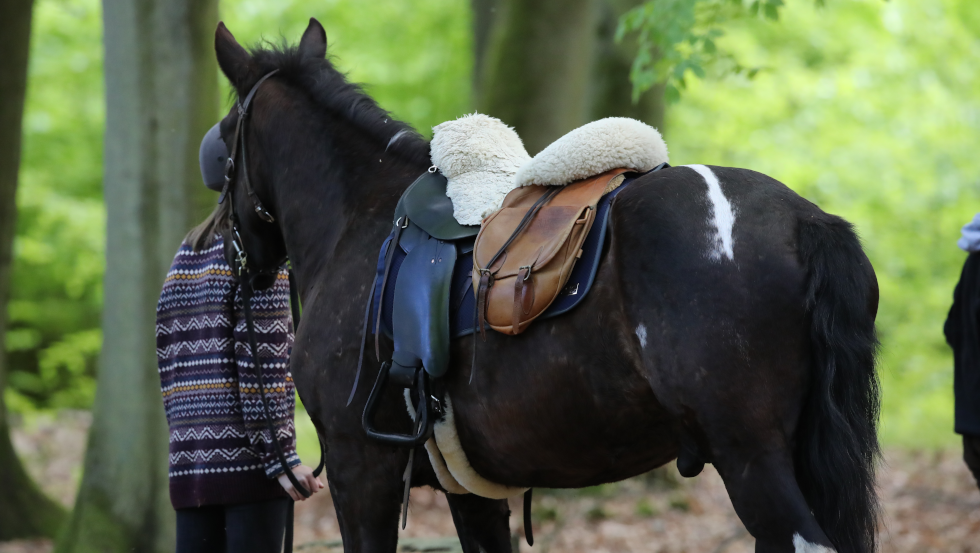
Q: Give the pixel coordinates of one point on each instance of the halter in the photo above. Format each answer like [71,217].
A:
[245,274]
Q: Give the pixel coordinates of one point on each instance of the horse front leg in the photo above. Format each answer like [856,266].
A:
[366,487]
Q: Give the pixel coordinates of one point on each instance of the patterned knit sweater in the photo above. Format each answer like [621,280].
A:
[220,449]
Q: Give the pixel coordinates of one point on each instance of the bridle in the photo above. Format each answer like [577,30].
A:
[238,138]
[246,274]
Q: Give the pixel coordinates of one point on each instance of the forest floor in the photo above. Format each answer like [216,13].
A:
[930,500]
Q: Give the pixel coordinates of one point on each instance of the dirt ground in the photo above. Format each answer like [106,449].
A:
[931,504]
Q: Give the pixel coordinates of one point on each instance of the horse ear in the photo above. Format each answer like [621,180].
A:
[314,41]
[234,61]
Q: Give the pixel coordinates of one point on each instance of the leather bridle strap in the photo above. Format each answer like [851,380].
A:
[245,281]
[239,138]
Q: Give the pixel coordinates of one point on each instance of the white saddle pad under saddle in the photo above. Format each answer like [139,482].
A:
[484,159]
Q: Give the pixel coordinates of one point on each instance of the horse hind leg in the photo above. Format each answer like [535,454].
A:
[764,491]
[482,524]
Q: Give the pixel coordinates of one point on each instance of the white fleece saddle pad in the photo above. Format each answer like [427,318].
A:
[484,159]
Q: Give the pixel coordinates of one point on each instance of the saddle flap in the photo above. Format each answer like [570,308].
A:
[542,239]
[425,203]
[536,245]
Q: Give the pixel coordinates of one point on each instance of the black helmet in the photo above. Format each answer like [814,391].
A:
[213,157]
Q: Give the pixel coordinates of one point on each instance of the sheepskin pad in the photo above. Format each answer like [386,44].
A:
[449,461]
[595,148]
[484,159]
[479,155]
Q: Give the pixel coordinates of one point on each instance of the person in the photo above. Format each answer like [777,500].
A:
[227,483]
[962,331]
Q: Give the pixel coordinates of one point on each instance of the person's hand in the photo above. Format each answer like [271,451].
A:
[304,475]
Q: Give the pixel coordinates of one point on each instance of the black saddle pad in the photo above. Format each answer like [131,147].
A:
[462,302]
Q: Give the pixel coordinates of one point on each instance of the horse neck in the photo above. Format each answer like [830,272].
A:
[336,202]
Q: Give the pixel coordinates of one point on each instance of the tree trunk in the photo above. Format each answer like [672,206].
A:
[24,510]
[611,90]
[546,67]
[161,96]
[484,13]
[537,66]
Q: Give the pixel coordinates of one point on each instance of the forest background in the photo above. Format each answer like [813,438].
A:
[868,108]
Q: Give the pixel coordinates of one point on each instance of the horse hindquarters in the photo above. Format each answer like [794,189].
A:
[818,495]
[733,328]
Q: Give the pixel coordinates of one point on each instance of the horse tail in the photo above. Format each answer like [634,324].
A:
[837,440]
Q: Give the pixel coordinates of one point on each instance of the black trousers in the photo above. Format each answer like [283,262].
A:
[246,528]
[971,455]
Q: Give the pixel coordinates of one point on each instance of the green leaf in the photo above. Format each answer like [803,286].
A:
[772,11]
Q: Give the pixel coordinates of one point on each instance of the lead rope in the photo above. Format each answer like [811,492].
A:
[246,287]
[256,362]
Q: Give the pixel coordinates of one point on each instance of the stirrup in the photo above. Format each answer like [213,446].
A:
[409,378]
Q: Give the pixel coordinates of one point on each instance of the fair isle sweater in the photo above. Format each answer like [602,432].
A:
[220,449]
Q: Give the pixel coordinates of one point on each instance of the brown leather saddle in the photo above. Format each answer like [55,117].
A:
[525,252]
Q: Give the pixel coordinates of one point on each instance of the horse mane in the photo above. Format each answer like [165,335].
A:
[330,89]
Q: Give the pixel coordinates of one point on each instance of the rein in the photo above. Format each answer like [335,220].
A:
[246,275]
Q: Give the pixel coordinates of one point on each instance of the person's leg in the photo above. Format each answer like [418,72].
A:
[256,527]
[971,455]
[201,530]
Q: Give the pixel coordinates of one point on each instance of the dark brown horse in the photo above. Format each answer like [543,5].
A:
[731,322]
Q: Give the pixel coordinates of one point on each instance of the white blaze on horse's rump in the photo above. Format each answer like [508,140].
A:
[641,333]
[723,216]
[800,545]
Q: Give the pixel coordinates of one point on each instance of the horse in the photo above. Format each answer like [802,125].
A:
[730,322]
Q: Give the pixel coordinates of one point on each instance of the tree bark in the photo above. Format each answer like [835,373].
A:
[24,510]
[161,96]
[611,92]
[484,13]
[537,66]
[546,67]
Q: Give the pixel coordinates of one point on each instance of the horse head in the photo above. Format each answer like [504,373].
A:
[305,135]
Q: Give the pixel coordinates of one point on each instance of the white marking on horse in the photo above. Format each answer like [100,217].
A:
[723,216]
[800,545]
[641,333]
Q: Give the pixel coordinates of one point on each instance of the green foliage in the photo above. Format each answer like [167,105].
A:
[676,37]
[54,336]
[867,108]
[56,291]
[415,58]
[871,111]
[645,509]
